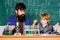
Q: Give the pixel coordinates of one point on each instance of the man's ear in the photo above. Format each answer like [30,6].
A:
[16,11]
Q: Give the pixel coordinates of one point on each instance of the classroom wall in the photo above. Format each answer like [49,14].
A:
[34,9]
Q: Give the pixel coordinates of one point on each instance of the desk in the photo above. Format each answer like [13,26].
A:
[23,37]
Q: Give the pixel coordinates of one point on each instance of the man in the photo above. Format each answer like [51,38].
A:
[20,9]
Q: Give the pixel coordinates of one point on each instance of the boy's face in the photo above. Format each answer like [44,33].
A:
[43,21]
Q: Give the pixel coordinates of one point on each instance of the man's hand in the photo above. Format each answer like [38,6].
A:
[11,27]
[56,26]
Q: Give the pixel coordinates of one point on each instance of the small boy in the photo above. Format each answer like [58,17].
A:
[44,26]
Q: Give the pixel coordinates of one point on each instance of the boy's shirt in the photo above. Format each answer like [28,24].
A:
[12,21]
[48,29]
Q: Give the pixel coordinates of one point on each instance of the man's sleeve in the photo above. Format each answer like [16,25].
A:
[28,22]
[11,21]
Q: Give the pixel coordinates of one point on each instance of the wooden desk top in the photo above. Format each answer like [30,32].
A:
[24,36]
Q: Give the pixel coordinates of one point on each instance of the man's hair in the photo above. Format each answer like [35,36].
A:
[20,6]
[45,16]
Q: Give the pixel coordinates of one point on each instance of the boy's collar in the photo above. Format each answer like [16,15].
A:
[44,25]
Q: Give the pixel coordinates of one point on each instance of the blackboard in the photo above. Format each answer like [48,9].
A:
[33,11]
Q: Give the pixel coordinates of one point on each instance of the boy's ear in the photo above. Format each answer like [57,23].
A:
[48,21]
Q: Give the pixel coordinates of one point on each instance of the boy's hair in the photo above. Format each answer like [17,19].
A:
[20,6]
[45,16]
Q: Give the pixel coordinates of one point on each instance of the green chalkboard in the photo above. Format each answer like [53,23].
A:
[33,11]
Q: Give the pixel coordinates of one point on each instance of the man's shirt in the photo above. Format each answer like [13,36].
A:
[12,21]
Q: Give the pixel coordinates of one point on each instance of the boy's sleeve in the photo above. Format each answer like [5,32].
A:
[54,32]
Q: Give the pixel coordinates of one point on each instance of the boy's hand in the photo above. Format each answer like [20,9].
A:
[56,26]
[34,22]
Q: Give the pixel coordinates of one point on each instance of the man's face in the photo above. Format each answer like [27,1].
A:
[20,12]
[21,15]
